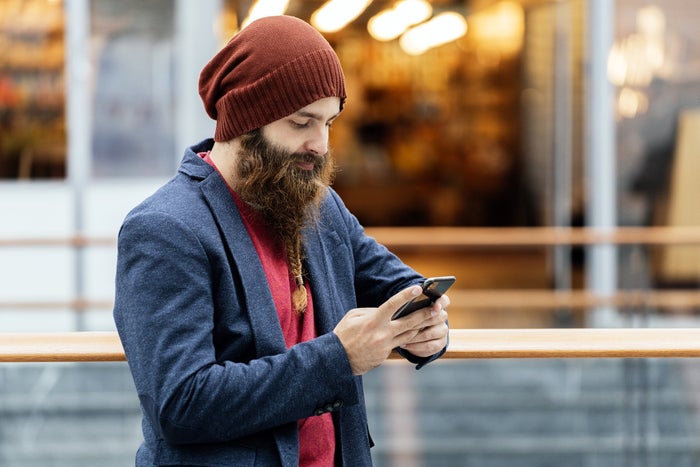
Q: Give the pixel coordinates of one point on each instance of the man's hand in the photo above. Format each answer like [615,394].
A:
[432,338]
[369,335]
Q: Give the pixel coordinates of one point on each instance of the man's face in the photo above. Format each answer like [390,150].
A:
[306,130]
[283,169]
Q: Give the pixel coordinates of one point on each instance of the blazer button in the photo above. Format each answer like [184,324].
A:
[337,404]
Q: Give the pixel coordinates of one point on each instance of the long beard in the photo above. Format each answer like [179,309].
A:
[284,195]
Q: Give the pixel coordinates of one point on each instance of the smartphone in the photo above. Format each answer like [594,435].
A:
[433,288]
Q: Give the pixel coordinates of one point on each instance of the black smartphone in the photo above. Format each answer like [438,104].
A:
[433,288]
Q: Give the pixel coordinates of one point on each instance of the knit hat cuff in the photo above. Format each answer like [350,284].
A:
[281,92]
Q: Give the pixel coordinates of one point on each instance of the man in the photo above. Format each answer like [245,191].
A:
[248,299]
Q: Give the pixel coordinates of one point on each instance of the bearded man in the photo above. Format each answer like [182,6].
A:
[248,299]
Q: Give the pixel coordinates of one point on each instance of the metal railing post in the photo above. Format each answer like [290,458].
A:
[601,210]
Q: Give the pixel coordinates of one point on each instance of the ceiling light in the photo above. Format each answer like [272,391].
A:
[263,8]
[391,23]
[413,11]
[334,15]
[443,28]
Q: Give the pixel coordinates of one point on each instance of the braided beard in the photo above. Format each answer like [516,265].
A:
[286,196]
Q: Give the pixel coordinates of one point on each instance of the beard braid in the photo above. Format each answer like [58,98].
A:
[284,195]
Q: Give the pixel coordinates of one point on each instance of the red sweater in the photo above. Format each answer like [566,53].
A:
[316,433]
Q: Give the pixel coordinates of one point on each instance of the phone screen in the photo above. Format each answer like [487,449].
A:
[433,288]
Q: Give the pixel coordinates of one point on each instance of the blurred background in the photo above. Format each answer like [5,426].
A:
[463,116]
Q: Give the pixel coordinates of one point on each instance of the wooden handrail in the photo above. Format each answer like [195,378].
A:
[462,237]
[61,347]
[580,299]
[464,343]
[77,241]
[468,237]
[473,298]
[74,305]
[574,343]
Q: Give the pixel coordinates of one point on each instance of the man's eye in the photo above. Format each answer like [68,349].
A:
[299,124]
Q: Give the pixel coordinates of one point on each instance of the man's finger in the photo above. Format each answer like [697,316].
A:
[444,301]
[389,307]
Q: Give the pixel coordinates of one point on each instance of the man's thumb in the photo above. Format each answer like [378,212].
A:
[389,307]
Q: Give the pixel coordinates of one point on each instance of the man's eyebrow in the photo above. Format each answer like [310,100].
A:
[313,115]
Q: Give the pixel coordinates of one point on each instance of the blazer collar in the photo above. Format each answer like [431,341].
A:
[192,165]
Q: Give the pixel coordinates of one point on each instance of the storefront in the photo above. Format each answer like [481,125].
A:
[487,129]
[540,114]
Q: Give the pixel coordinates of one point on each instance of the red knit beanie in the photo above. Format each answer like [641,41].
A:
[270,69]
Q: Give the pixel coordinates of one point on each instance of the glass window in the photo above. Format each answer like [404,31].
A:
[32,90]
[133,116]
[655,65]
[423,139]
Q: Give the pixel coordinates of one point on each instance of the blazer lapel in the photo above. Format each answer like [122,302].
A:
[257,298]
[326,312]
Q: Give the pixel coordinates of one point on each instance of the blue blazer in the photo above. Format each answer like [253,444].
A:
[217,385]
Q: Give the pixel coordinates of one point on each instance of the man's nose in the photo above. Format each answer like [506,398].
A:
[318,143]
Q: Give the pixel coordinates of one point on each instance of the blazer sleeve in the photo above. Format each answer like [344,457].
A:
[165,314]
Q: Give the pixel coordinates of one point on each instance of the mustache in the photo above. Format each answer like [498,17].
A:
[320,164]
[306,156]
[309,157]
